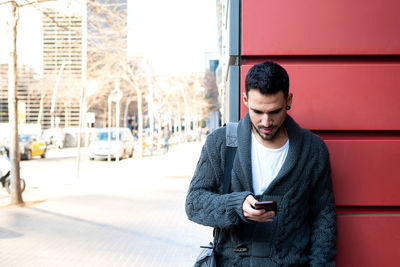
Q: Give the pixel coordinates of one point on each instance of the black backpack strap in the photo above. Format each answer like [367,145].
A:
[231,146]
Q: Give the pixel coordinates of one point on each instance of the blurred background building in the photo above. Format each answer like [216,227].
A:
[26,109]
[223,46]
[68,38]
[78,52]
[62,56]
[61,41]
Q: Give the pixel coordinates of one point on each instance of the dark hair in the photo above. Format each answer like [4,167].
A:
[267,77]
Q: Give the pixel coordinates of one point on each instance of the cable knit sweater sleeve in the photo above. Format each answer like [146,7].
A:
[323,214]
[204,202]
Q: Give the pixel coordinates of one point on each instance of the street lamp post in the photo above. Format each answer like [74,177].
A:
[53,100]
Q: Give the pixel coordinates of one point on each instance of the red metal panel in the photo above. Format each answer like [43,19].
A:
[332,95]
[332,27]
[368,240]
[344,66]
[365,172]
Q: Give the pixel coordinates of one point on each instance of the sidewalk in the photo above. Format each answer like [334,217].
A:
[127,213]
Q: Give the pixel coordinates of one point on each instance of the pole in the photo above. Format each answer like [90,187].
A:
[16,194]
[82,104]
[117,121]
[53,99]
[151,108]
[140,122]
[109,129]
[81,109]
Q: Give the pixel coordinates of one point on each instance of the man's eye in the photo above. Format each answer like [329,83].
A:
[275,111]
[257,112]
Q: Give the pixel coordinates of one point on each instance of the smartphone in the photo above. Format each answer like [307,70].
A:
[266,205]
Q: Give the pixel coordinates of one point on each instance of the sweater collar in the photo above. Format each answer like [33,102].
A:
[244,150]
[295,146]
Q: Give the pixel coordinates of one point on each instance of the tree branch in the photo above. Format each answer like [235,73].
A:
[34,2]
[7,2]
[26,4]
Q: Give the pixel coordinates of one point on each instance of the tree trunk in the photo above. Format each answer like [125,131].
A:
[140,121]
[16,194]
[159,125]
[40,114]
[139,110]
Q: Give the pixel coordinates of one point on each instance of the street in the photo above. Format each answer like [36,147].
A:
[126,213]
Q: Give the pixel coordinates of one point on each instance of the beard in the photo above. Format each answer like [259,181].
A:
[264,136]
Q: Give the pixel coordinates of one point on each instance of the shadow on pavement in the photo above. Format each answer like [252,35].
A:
[109,227]
[5,233]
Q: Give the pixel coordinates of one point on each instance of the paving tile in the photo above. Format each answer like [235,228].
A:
[127,213]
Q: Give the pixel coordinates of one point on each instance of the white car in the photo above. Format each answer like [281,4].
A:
[101,146]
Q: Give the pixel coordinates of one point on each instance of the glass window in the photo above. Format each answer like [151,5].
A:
[103,136]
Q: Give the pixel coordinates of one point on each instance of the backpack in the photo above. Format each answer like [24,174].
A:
[231,146]
[207,257]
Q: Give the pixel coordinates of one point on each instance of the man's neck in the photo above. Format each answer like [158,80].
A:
[278,141]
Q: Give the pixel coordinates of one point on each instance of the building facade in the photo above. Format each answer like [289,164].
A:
[75,40]
[62,60]
[26,109]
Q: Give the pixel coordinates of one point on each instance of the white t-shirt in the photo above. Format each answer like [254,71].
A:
[265,164]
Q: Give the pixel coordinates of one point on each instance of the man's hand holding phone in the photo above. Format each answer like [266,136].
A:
[260,212]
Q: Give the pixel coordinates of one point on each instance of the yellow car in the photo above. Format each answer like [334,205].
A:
[31,145]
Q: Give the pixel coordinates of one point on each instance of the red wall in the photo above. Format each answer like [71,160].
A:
[343,59]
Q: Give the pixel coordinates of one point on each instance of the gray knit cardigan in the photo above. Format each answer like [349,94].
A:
[303,233]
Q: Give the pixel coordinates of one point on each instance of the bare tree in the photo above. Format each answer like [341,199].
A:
[108,61]
[16,192]
[211,90]
[186,101]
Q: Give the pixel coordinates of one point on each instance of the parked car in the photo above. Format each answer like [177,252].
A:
[31,145]
[101,146]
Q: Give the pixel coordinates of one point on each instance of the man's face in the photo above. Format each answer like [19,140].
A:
[267,113]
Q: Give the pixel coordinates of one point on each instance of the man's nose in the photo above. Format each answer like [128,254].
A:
[266,120]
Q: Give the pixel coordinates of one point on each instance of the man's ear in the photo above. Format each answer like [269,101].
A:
[245,100]
[289,100]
